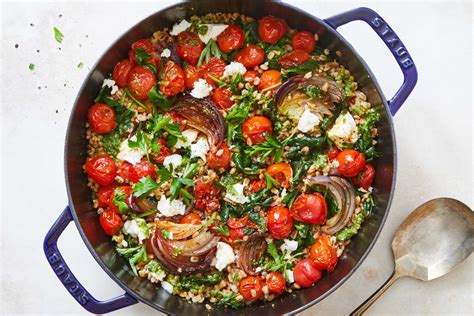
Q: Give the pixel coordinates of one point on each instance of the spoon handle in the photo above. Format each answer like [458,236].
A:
[368,302]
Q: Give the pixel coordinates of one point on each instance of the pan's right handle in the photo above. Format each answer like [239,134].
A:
[394,44]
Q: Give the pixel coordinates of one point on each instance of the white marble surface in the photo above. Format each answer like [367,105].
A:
[434,135]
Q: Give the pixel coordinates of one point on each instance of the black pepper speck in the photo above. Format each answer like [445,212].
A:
[60,16]
[31,24]
[39,88]
[57,111]
[16,45]
[37,50]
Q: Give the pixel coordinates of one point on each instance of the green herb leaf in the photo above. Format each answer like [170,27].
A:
[222,229]
[307,66]
[159,99]
[31,67]
[58,35]
[120,200]
[270,182]
[166,234]
[80,65]
[144,187]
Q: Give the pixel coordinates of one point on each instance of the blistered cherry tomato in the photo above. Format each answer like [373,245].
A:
[101,118]
[206,196]
[365,178]
[190,218]
[189,47]
[270,78]
[222,97]
[279,222]
[104,195]
[294,58]
[219,158]
[256,128]
[271,29]
[323,254]
[276,283]
[173,79]
[250,75]
[212,70]
[163,153]
[126,172]
[351,162]
[237,222]
[332,153]
[144,169]
[231,39]
[257,185]
[282,173]
[111,222]
[140,81]
[310,208]
[251,288]
[250,56]
[304,41]
[236,233]
[148,46]
[192,74]
[102,169]
[306,274]
[122,72]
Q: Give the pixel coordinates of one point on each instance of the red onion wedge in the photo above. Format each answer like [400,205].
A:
[250,251]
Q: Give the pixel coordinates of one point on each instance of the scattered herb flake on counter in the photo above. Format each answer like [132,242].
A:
[31,67]
[58,36]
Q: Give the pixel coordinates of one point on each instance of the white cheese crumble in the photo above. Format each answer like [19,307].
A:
[344,130]
[167,287]
[201,89]
[136,229]
[224,255]
[289,246]
[213,30]
[307,121]
[180,27]
[200,149]
[174,160]
[233,69]
[290,276]
[111,84]
[132,155]
[237,196]
[190,136]
[165,53]
[170,208]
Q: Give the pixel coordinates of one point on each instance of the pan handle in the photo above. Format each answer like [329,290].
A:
[68,279]
[394,44]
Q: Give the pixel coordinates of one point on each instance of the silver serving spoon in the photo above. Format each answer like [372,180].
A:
[432,241]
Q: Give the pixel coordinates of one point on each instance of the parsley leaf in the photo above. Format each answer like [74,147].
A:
[307,66]
[58,36]
[134,255]
[144,186]
[142,142]
[120,200]
[270,146]
[31,67]
[143,59]
[159,99]
[223,230]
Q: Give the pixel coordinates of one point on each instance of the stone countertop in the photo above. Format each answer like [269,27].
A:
[433,130]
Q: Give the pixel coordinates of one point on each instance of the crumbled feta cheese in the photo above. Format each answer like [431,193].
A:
[124,243]
[344,130]
[174,160]
[213,30]
[201,89]
[307,121]
[111,84]
[200,149]
[165,53]
[233,69]
[136,228]
[132,155]
[224,255]
[289,246]
[290,276]
[238,195]
[190,136]
[180,27]
[170,208]
[283,193]
[167,287]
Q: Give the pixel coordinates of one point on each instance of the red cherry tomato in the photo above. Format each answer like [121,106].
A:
[351,162]
[222,97]
[219,158]
[173,79]
[276,283]
[189,47]
[163,153]
[236,233]
[192,75]
[250,56]
[111,222]
[256,128]
[294,58]
[178,119]
[281,172]
[127,190]
[214,68]
[304,41]
[306,274]
[310,208]
[231,39]
[101,118]
[190,218]
[332,153]
[122,72]
[206,196]
[144,169]
[279,222]
[271,29]
[148,46]
[126,172]
[270,78]
[365,178]
[104,195]
[102,169]
[257,185]
[140,81]
[323,254]
[237,222]
[250,75]
[251,288]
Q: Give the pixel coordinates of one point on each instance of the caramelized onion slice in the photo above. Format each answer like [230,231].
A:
[180,231]
[250,251]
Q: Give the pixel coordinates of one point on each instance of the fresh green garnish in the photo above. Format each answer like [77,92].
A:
[144,142]
[134,256]
[321,161]
[80,65]
[142,58]
[31,67]
[58,35]
[307,66]
[300,168]
[271,145]
[210,50]
[159,99]
[120,200]
[305,235]
[160,123]
[270,182]
[364,143]
[166,234]
[222,229]
[313,91]
[144,187]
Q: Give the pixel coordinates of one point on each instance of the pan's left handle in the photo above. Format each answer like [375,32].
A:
[67,278]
